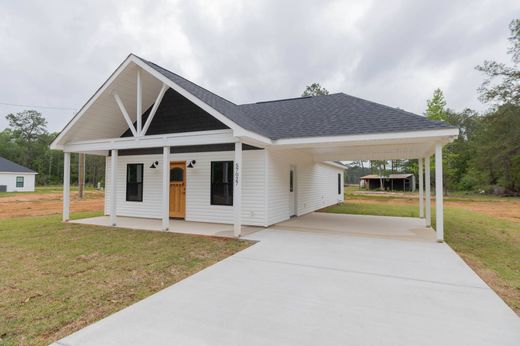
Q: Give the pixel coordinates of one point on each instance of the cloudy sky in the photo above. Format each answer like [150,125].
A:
[57,53]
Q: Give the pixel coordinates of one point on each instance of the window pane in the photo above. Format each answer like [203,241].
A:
[176,174]
[291,180]
[339,183]
[134,182]
[222,183]
[19,181]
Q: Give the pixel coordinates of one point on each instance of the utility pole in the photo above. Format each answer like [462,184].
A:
[81,174]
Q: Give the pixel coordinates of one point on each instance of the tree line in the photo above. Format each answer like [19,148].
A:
[486,155]
[26,141]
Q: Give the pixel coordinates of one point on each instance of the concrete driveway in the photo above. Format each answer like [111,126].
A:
[299,286]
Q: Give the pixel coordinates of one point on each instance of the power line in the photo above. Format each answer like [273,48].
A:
[35,106]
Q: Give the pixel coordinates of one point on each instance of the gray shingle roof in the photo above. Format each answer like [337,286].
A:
[331,115]
[10,166]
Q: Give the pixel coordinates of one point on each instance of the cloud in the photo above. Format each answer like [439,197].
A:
[57,53]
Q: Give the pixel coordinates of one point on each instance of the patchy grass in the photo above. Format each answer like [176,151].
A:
[56,278]
[490,245]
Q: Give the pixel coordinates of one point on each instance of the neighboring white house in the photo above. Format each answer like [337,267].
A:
[175,149]
[14,177]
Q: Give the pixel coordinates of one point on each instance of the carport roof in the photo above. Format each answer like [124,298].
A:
[318,116]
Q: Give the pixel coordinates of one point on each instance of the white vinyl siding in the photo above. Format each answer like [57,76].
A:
[9,180]
[198,206]
[316,184]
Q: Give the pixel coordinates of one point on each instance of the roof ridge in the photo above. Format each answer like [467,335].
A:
[187,80]
[288,99]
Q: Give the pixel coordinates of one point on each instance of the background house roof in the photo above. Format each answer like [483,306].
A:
[10,166]
[331,115]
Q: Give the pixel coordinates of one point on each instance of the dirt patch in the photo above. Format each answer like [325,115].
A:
[47,204]
[506,210]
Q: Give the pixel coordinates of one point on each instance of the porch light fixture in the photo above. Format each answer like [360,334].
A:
[154,165]
[192,163]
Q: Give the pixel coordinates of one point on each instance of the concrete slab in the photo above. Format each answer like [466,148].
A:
[176,226]
[319,287]
[404,228]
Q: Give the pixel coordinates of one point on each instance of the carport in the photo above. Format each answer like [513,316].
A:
[420,145]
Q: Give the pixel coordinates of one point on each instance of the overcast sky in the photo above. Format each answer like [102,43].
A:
[57,53]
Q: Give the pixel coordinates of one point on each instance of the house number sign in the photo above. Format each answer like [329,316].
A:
[236,174]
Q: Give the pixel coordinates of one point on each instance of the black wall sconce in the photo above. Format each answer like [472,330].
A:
[155,164]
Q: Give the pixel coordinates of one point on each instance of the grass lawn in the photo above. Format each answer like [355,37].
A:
[490,245]
[56,278]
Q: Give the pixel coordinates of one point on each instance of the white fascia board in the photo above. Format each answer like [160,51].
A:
[175,139]
[19,173]
[376,137]
[237,129]
[56,145]
[332,163]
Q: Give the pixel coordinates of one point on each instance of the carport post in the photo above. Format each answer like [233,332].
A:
[439,207]
[237,190]
[166,189]
[421,189]
[66,186]
[113,189]
[428,192]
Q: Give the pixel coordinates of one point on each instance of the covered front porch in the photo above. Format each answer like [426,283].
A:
[176,226]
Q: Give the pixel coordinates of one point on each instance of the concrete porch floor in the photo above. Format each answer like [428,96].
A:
[399,228]
[176,226]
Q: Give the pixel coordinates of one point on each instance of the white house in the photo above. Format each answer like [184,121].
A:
[15,178]
[176,150]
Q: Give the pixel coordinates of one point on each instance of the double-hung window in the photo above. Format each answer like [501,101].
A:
[222,182]
[19,181]
[134,182]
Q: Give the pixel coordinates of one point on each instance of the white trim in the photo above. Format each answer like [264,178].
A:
[113,188]
[166,189]
[66,186]
[430,134]
[237,190]
[332,163]
[421,188]
[56,143]
[156,104]
[125,114]
[171,140]
[428,191]
[439,206]
[139,104]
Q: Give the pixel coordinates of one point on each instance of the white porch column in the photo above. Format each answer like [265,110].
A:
[428,191]
[237,189]
[66,186]
[166,189]
[439,207]
[113,188]
[421,189]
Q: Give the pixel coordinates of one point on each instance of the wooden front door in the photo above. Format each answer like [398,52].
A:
[178,189]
